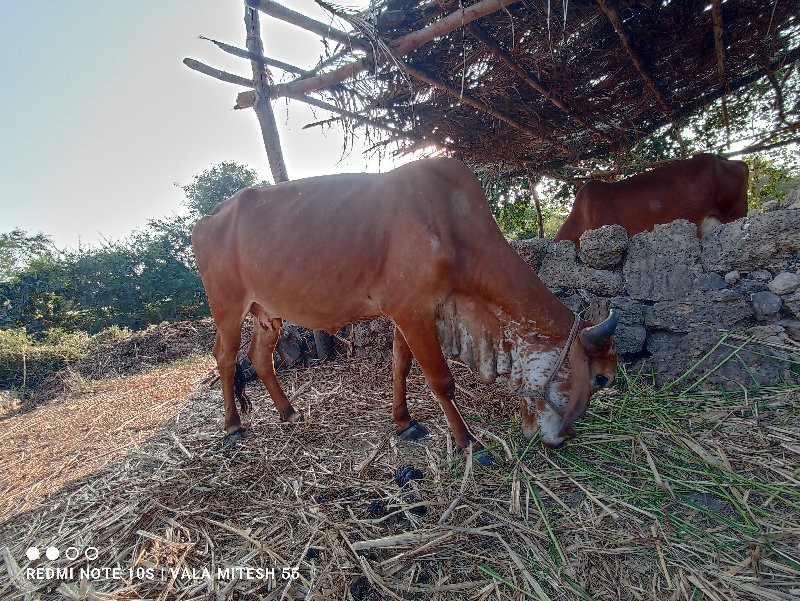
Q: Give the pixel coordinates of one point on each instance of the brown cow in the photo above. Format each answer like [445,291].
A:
[706,189]
[419,245]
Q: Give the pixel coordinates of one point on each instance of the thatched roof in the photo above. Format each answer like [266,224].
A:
[539,83]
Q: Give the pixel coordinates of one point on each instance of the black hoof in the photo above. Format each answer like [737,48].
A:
[483,457]
[232,439]
[296,418]
[415,431]
[554,447]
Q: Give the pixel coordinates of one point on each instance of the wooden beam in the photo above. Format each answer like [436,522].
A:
[196,65]
[262,103]
[502,55]
[638,63]
[397,48]
[269,62]
[273,9]
[244,100]
[719,47]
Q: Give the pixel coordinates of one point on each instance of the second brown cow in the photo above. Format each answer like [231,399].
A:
[706,189]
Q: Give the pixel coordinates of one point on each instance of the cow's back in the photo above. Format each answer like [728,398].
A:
[328,250]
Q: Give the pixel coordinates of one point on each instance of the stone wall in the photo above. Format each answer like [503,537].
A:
[679,296]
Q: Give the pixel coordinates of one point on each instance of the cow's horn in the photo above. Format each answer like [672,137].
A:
[595,337]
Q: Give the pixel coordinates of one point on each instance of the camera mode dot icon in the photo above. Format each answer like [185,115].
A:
[52,553]
[32,553]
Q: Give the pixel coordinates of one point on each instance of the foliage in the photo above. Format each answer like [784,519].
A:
[17,248]
[769,180]
[145,279]
[212,186]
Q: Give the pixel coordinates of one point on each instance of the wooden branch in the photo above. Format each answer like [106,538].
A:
[504,57]
[397,48]
[274,9]
[470,100]
[264,60]
[245,100]
[638,63]
[261,99]
[196,65]
[716,17]
[760,147]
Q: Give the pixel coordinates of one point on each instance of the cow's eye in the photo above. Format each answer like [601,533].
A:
[600,380]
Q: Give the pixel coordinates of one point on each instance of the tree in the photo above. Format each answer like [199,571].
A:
[18,248]
[212,186]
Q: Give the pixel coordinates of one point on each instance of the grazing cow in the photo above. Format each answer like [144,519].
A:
[419,245]
[706,189]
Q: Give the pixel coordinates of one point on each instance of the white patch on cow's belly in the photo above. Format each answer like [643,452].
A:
[435,244]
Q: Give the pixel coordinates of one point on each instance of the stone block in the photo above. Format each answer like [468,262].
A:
[710,281]
[663,264]
[603,247]
[765,304]
[700,309]
[784,283]
[533,251]
[762,241]
[792,303]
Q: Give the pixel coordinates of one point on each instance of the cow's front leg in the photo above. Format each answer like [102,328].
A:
[423,341]
[407,428]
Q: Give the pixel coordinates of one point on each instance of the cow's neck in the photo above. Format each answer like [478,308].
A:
[508,323]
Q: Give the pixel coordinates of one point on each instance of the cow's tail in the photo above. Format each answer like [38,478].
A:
[238,389]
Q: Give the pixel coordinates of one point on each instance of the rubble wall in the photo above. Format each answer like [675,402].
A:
[727,304]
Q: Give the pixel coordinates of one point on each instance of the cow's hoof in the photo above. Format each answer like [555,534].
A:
[554,446]
[232,439]
[414,431]
[483,457]
[296,418]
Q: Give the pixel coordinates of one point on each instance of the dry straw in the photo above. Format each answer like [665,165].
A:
[661,495]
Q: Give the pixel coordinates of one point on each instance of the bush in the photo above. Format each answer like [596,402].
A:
[25,362]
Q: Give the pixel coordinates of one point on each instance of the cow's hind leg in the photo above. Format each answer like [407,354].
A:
[262,346]
[423,341]
[407,428]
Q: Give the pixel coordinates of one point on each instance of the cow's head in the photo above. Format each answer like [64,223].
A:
[591,364]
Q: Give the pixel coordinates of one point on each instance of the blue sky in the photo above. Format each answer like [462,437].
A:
[99,118]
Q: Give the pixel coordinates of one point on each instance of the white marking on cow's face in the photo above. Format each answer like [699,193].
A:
[550,427]
[546,421]
[460,202]
[435,244]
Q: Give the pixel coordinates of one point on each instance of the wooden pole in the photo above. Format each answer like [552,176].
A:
[537,204]
[261,102]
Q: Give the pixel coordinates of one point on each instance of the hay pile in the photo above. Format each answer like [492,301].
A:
[659,497]
[134,354]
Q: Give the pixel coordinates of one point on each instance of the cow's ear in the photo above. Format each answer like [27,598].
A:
[579,386]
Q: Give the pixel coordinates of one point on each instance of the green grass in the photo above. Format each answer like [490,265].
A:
[713,474]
